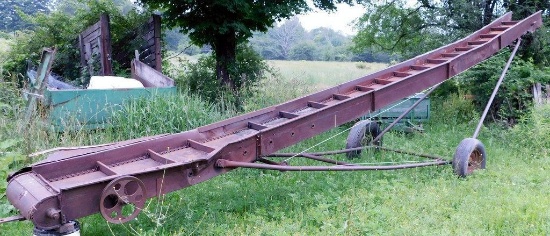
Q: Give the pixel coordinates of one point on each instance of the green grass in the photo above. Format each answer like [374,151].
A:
[510,197]
[4,47]
[324,74]
[292,79]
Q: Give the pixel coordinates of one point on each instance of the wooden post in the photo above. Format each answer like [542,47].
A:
[536,94]
[82,52]
[157,35]
[106,64]
[38,88]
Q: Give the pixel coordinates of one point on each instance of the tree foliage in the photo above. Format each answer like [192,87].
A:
[200,77]
[321,44]
[392,26]
[279,40]
[535,46]
[514,97]
[284,42]
[11,11]
[411,29]
[304,51]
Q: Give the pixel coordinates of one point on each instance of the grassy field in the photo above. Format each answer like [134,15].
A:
[509,198]
[324,74]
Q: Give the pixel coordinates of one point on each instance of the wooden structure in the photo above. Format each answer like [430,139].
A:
[36,90]
[148,76]
[541,94]
[73,108]
[95,46]
[95,43]
[147,40]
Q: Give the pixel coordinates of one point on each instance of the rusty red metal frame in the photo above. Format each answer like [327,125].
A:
[72,184]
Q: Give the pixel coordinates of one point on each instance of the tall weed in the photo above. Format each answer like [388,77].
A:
[534,131]
[165,114]
[453,109]
[275,90]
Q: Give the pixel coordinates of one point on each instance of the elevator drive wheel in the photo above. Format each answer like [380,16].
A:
[122,199]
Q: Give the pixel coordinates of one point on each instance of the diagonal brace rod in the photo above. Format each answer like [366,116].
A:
[403,114]
[495,90]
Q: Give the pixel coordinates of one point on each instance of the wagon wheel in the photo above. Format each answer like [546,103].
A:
[361,134]
[122,199]
[469,156]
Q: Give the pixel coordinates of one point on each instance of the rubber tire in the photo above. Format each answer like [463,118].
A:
[358,132]
[462,156]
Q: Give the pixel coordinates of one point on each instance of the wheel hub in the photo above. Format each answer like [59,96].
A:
[122,199]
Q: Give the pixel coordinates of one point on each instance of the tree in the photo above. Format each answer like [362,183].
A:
[277,41]
[399,29]
[10,12]
[286,36]
[304,51]
[534,46]
[332,45]
[224,24]
[280,41]
[264,45]
[328,36]
[394,26]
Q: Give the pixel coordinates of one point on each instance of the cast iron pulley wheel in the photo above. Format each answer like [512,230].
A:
[469,156]
[122,199]
[361,134]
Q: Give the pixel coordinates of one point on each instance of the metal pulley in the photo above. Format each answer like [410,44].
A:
[122,199]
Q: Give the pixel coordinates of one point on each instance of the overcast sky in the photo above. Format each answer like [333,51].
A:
[341,20]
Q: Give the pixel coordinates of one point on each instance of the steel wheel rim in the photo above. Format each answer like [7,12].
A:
[118,194]
[474,161]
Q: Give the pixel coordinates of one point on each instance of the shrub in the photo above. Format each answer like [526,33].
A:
[446,89]
[533,130]
[454,109]
[200,78]
[514,97]
[304,51]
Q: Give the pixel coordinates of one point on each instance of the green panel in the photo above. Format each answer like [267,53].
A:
[420,113]
[91,108]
